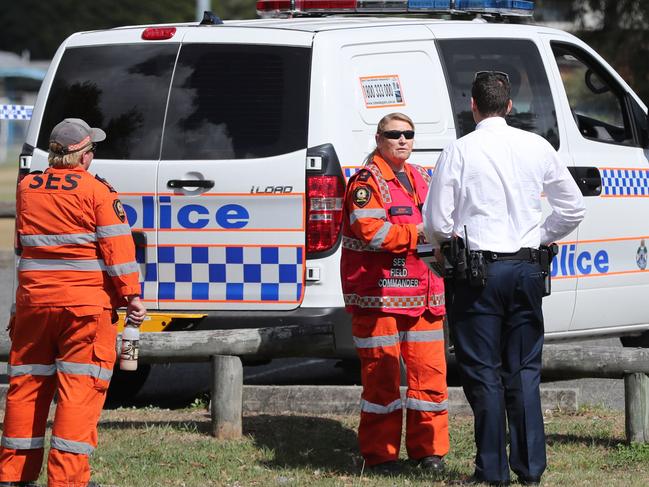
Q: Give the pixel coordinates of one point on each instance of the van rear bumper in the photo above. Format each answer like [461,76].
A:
[336,318]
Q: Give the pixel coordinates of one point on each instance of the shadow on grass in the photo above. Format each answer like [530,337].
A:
[572,439]
[306,441]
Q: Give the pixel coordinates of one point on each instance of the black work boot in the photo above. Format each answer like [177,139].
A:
[19,484]
[433,464]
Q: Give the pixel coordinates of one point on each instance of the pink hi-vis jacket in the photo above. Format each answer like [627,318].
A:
[380,269]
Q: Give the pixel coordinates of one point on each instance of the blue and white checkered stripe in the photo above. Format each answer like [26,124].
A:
[16,112]
[227,273]
[625,182]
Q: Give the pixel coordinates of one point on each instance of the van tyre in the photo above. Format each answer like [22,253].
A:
[636,341]
[125,385]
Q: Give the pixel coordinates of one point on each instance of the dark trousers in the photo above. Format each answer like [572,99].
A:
[498,336]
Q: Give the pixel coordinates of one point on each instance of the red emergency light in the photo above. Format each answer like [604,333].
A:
[158,33]
[306,5]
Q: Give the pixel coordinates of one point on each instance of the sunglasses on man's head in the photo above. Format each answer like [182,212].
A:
[396,134]
[483,74]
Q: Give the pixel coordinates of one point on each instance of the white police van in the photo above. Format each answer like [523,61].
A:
[230,144]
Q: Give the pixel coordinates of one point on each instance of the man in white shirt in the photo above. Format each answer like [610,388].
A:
[490,183]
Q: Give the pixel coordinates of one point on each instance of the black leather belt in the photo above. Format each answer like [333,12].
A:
[528,254]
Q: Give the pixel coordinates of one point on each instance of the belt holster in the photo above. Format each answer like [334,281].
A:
[546,255]
[464,265]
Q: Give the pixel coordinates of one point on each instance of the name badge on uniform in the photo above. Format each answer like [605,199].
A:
[401,210]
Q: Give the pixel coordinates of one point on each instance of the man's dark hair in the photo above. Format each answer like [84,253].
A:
[491,92]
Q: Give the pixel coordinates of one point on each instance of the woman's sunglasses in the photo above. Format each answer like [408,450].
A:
[396,134]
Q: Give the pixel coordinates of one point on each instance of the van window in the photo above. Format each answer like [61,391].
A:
[533,106]
[596,100]
[237,102]
[120,88]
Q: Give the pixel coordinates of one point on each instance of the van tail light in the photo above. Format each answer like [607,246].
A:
[324,216]
[25,161]
[158,33]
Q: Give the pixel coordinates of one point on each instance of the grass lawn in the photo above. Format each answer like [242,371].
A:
[148,446]
[8,174]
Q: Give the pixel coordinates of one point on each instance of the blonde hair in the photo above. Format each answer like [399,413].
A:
[65,161]
[381,127]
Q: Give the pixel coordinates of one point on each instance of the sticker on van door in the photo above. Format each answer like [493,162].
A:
[382,91]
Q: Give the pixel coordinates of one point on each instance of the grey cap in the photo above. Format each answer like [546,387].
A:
[74,134]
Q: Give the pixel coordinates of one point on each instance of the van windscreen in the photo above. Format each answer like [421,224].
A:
[120,88]
[232,101]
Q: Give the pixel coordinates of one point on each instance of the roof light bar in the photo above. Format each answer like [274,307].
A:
[266,8]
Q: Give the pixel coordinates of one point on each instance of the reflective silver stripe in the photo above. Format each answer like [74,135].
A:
[421,405]
[424,174]
[71,446]
[113,230]
[121,269]
[74,368]
[60,265]
[52,240]
[421,336]
[357,245]
[369,213]
[380,235]
[384,301]
[23,443]
[30,369]
[378,341]
[384,189]
[370,407]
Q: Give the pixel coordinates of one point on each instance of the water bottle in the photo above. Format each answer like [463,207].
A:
[130,345]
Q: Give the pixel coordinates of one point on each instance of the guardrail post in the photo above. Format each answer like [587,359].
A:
[227,396]
[636,407]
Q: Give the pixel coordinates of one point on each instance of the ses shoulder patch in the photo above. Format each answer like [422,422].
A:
[119,210]
[362,196]
[103,181]
[364,175]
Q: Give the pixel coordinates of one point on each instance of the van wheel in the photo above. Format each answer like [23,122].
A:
[637,341]
[124,385]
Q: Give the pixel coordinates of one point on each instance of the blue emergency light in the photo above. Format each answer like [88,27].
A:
[280,8]
[429,5]
[502,7]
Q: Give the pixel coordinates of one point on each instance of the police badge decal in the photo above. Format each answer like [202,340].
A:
[641,256]
[362,196]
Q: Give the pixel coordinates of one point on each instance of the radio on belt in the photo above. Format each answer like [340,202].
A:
[428,254]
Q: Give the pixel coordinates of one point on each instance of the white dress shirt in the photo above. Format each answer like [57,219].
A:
[491,181]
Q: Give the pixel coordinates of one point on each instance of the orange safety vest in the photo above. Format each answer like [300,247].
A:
[74,242]
[374,278]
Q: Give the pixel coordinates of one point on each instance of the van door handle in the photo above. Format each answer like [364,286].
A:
[190,183]
[588,179]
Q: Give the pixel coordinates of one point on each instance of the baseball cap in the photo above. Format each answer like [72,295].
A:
[73,134]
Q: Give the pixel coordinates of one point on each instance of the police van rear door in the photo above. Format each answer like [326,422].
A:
[118,81]
[231,180]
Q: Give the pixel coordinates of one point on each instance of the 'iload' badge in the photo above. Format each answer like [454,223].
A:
[362,196]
